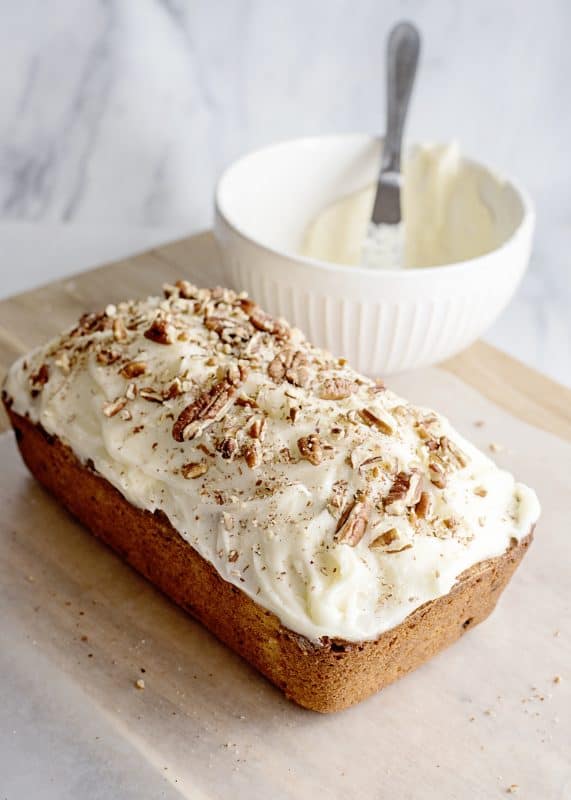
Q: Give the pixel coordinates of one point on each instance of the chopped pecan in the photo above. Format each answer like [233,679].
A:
[263,321]
[173,390]
[369,462]
[236,374]
[185,289]
[39,379]
[453,452]
[64,363]
[277,367]
[338,497]
[91,322]
[310,448]
[256,429]
[206,409]
[107,356]
[377,387]
[246,402]
[406,546]
[253,454]
[160,331]
[228,330]
[337,389]
[194,469]
[227,447]
[150,394]
[119,330]
[369,418]
[134,369]
[423,508]
[437,472]
[404,492]
[114,407]
[298,373]
[337,432]
[353,522]
[386,538]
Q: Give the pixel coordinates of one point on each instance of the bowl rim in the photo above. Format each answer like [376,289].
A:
[527,219]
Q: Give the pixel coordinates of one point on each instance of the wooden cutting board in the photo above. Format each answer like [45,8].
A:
[78,628]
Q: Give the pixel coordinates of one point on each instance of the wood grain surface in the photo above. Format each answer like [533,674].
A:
[28,319]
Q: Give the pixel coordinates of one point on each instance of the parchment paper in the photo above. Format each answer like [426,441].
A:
[78,627]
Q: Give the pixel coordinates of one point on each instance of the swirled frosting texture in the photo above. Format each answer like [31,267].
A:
[321,494]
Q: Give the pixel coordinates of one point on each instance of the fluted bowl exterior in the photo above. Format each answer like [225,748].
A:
[382,321]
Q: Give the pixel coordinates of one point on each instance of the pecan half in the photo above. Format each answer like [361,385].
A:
[206,409]
[369,418]
[353,523]
[291,365]
[336,389]
[310,448]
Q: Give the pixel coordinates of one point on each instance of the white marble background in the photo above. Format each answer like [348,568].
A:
[116,117]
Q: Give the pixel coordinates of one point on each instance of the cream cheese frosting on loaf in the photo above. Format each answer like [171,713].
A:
[318,492]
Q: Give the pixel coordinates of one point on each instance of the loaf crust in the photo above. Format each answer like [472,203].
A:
[323,677]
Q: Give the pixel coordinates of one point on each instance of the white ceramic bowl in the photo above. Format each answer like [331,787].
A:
[382,321]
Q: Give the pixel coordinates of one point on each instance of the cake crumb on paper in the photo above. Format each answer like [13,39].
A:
[140,683]
[495,447]
[557,679]
[512,789]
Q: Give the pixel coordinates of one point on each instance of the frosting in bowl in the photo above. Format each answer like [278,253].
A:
[447,217]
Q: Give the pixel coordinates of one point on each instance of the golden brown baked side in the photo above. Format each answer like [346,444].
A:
[326,677]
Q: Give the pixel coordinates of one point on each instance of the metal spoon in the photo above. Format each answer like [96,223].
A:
[384,244]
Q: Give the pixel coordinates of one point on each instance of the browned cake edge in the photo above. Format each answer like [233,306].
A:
[326,677]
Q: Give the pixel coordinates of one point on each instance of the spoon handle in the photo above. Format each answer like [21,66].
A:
[402,58]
